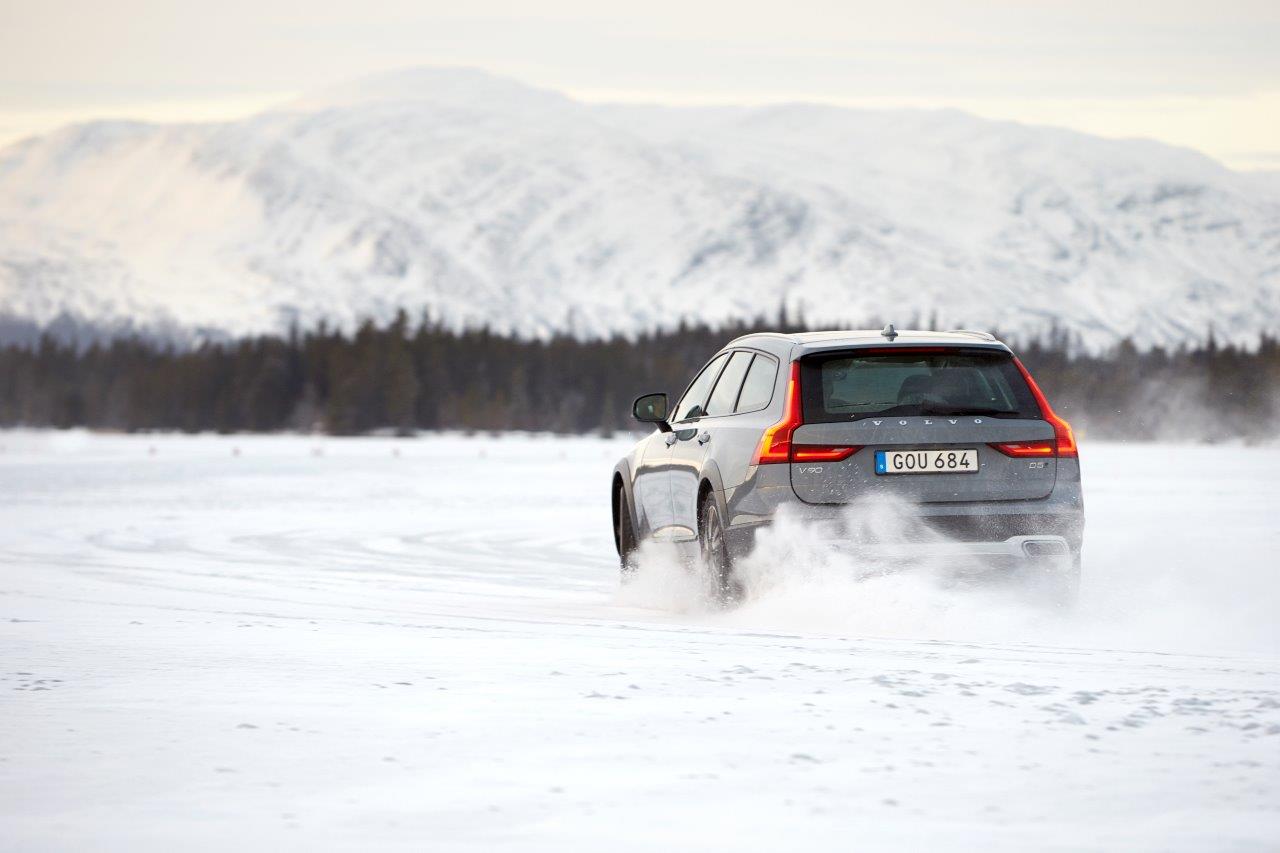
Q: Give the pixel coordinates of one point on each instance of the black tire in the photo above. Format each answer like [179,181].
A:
[625,537]
[723,585]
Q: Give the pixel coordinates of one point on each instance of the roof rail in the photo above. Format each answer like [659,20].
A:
[784,335]
[986,336]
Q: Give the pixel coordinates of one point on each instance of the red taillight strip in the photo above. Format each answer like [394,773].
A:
[775,445]
[1063,436]
[1021,449]
[822,452]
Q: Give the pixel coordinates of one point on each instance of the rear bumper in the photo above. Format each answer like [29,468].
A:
[982,529]
[1047,563]
[1041,565]
[1034,547]
[1060,513]
[991,533]
[1017,555]
[977,525]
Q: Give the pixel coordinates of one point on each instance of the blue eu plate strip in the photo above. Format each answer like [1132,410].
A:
[880,463]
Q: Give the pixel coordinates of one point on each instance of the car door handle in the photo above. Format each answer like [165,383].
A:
[704,438]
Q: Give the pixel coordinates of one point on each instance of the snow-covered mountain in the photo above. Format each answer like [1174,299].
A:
[488,201]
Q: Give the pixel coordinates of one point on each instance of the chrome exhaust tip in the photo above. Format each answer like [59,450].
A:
[1044,548]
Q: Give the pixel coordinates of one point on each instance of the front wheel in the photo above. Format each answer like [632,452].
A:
[722,584]
[624,537]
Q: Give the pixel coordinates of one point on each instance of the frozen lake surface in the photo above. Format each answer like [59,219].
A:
[302,643]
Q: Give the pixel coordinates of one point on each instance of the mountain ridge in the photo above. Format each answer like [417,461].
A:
[485,201]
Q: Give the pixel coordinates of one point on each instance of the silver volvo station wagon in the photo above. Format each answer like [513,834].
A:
[948,427]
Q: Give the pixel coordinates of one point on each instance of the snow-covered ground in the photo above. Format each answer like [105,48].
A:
[297,643]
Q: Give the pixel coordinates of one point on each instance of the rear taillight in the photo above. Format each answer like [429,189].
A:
[822,452]
[1022,449]
[775,445]
[1064,438]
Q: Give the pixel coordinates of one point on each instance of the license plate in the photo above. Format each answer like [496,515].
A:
[950,461]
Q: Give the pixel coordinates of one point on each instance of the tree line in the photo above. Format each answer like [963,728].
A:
[407,376]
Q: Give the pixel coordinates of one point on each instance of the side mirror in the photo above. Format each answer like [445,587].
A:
[651,409]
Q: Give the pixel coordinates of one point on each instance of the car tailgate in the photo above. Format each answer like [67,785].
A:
[997,477]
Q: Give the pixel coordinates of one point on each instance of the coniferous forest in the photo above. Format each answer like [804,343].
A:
[406,376]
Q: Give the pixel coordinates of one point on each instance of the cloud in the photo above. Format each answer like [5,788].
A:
[1119,69]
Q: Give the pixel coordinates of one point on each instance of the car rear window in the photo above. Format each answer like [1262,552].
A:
[856,384]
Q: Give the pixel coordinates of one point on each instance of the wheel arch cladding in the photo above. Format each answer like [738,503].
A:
[704,488]
[712,482]
[708,486]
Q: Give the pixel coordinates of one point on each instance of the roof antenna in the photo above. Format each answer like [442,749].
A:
[890,332]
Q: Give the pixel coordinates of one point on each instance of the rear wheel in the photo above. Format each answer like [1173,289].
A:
[624,536]
[722,584]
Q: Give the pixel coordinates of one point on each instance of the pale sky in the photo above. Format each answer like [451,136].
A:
[1200,74]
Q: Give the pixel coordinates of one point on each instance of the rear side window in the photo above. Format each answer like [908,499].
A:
[726,393]
[690,405]
[757,390]
[851,385]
